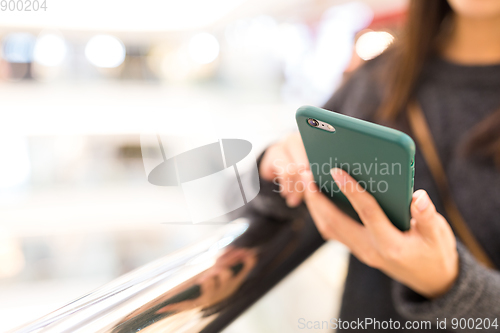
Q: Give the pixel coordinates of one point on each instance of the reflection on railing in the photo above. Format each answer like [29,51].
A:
[199,289]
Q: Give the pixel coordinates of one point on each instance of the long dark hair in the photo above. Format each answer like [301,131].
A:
[417,43]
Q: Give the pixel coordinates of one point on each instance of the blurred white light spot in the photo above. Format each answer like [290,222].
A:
[203,48]
[105,51]
[373,43]
[50,50]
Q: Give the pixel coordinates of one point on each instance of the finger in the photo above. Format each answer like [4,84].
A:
[278,166]
[273,158]
[299,163]
[293,188]
[335,224]
[428,221]
[368,209]
[295,148]
[272,167]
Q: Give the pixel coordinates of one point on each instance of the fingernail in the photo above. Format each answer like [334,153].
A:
[422,201]
[338,176]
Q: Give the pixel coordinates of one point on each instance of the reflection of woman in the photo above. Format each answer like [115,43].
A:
[206,289]
[449,61]
[246,269]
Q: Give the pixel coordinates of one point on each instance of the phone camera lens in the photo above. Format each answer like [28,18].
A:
[313,122]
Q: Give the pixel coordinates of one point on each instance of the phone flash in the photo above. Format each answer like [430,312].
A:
[330,127]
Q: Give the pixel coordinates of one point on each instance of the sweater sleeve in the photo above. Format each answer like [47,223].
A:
[473,300]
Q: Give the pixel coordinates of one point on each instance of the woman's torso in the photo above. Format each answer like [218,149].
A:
[454,98]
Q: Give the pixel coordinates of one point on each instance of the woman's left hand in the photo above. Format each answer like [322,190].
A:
[423,258]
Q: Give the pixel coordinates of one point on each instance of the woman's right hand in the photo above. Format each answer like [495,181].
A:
[283,163]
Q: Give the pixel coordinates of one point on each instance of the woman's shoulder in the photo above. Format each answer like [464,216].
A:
[361,92]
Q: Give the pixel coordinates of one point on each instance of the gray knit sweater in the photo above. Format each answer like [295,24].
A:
[454,98]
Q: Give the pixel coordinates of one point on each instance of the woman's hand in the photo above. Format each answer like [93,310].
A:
[283,163]
[424,258]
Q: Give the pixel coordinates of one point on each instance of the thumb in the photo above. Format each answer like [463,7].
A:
[425,214]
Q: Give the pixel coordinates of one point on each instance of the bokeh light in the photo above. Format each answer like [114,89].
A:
[105,51]
[50,50]
[373,43]
[203,48]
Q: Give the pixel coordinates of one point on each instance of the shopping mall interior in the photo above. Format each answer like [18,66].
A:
[81,81]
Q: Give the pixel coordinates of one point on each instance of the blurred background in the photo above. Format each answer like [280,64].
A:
[79,82]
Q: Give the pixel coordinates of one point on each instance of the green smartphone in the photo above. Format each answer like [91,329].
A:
[381,159]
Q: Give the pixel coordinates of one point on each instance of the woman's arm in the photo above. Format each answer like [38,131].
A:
[437,277]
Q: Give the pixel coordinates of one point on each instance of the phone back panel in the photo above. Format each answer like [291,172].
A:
[378,157]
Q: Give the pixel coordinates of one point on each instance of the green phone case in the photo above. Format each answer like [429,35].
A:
[378,157]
